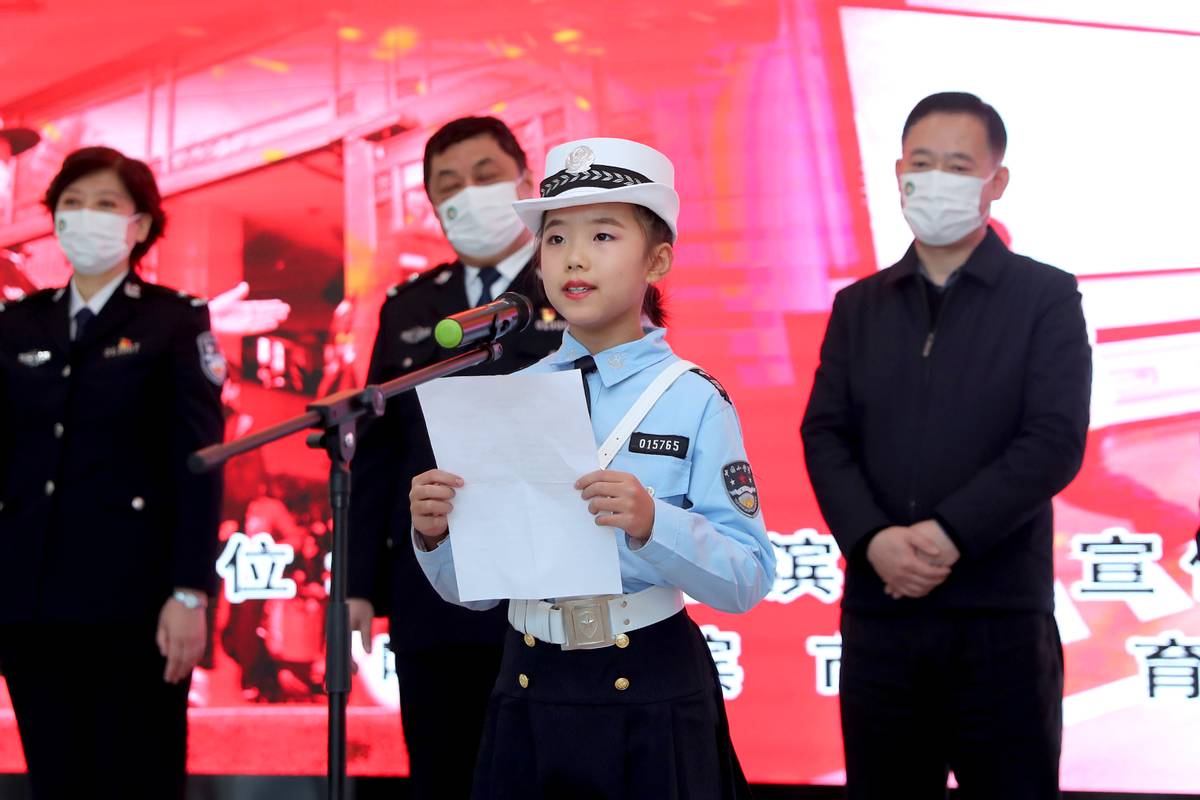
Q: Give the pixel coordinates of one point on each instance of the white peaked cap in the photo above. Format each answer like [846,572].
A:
[603,170]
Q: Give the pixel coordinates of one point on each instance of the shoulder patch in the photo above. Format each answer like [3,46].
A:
[716,384]
[212,360]
[740,487]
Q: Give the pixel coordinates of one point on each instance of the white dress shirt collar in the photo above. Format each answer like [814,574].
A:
[509,268]
[98,300]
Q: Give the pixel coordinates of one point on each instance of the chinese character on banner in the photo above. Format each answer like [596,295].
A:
[1114,564]
[1170,663]
[726,648]
[1191,563]
[827,650]
[252,567]
[806,563]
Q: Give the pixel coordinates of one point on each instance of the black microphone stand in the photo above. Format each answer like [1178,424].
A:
[336,418]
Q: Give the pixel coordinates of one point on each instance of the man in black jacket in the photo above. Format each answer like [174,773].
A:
[446,657]
[949,407]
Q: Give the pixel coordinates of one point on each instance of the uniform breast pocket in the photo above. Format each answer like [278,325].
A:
[665,478]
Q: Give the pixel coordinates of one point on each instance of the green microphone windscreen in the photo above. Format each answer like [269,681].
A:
[449,334]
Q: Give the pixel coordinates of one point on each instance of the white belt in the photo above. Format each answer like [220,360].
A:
[586,623]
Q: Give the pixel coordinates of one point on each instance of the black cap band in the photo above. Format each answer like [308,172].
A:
[598,176]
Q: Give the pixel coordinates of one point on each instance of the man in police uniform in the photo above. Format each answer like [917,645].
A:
[104,531]
[446,657]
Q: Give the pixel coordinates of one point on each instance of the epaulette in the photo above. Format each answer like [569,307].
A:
[137,290]
[438,276]
[23,298]
[716,384]
[192,300]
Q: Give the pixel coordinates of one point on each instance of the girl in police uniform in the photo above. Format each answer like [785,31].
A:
[618,696]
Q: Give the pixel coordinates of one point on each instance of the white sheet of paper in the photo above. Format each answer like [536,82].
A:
[519,528]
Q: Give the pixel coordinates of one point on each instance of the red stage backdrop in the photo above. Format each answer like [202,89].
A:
[291,154]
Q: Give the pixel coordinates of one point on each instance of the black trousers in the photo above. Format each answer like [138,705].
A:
[979,693]
[96,718]
[443,702]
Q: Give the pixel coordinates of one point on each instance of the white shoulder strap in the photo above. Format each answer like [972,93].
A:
[612,445]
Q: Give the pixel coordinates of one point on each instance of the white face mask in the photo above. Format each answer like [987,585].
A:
[942,207]
[479,221]
[94,241]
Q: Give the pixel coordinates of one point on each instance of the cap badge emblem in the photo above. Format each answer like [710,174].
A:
[580,160]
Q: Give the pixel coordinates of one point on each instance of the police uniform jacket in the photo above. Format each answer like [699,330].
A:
[708,537]
[977,422]
[395,448]
[99,515]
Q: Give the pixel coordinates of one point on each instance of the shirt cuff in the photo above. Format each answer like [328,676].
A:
[434,556]
[670,523]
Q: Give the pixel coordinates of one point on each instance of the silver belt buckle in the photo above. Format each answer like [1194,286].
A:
[586,622]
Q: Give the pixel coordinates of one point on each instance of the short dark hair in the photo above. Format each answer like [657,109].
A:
[962,103]
[134,175]
[463,128]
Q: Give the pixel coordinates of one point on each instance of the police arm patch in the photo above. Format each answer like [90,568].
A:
[212,360]
[740,487]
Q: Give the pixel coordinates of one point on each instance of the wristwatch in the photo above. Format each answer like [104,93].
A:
[189,600]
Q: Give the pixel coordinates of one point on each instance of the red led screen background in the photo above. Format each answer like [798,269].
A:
[290,152]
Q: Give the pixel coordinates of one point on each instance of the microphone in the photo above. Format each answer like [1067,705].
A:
[510,311]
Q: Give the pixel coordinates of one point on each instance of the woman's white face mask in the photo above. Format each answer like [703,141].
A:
[94,241]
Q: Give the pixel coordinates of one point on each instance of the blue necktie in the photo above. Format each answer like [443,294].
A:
[488,275]
[82,317]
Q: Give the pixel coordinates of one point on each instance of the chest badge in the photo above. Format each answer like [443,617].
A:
[34,358]
[740,487]
[123,347]
[415,335]
[548,321]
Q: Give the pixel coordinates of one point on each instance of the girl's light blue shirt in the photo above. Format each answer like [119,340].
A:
[704,541]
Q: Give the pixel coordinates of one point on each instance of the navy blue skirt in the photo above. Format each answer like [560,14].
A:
[559,726]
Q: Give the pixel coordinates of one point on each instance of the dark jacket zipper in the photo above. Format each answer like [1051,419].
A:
[926,349]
